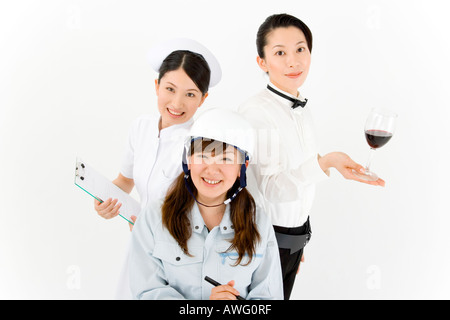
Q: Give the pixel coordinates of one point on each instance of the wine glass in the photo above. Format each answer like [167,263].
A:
[379,128]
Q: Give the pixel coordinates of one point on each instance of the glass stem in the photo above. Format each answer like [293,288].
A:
[369,161]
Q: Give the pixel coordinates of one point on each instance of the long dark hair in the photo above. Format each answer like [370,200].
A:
[192,63]
[280,21]
[178,204]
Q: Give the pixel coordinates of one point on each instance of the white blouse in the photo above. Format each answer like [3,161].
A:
[285,168]
[153,158]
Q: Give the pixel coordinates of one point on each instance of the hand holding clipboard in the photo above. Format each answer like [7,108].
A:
[100,188]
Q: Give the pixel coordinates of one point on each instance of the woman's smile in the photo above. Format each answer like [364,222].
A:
[210,182]
[174,113]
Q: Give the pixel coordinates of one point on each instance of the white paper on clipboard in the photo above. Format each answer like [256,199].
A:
[100,188]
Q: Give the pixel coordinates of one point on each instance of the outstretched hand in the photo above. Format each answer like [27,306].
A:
[345,165]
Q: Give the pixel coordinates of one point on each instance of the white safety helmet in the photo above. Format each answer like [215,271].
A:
[224,125]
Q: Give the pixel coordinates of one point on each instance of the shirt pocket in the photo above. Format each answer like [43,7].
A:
[229,257]
[171,173]
[242,273]
[180,269]
[168,177]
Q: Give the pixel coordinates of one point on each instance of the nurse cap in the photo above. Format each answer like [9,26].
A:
[160,51]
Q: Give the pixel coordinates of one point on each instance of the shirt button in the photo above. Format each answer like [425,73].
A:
[196,227]
[224,228]
[178,258]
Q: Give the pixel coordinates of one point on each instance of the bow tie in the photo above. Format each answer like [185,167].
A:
[296,102]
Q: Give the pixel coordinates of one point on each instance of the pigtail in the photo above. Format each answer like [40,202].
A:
[246,235]
[175,212]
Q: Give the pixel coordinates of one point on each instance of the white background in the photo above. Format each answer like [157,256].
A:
[73,76]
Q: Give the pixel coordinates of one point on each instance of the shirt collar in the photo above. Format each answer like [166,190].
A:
[198,223]
[226,226]
[281,99]
[181,129]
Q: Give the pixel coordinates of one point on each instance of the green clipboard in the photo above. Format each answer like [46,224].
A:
[99,187]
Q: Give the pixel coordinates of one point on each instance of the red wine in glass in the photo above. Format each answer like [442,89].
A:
[379,129]
[377,138]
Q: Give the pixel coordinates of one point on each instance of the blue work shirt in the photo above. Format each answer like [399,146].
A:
[159,269]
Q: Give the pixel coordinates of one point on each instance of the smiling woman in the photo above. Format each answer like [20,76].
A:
[178,98]
[213,170]
[182,86]
[287,184]
[286,58]
[208,224]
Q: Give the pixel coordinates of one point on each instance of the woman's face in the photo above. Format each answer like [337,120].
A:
[178,98]
[287,58]
[213,175]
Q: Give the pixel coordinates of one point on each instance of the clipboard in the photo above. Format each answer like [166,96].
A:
[99,187]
